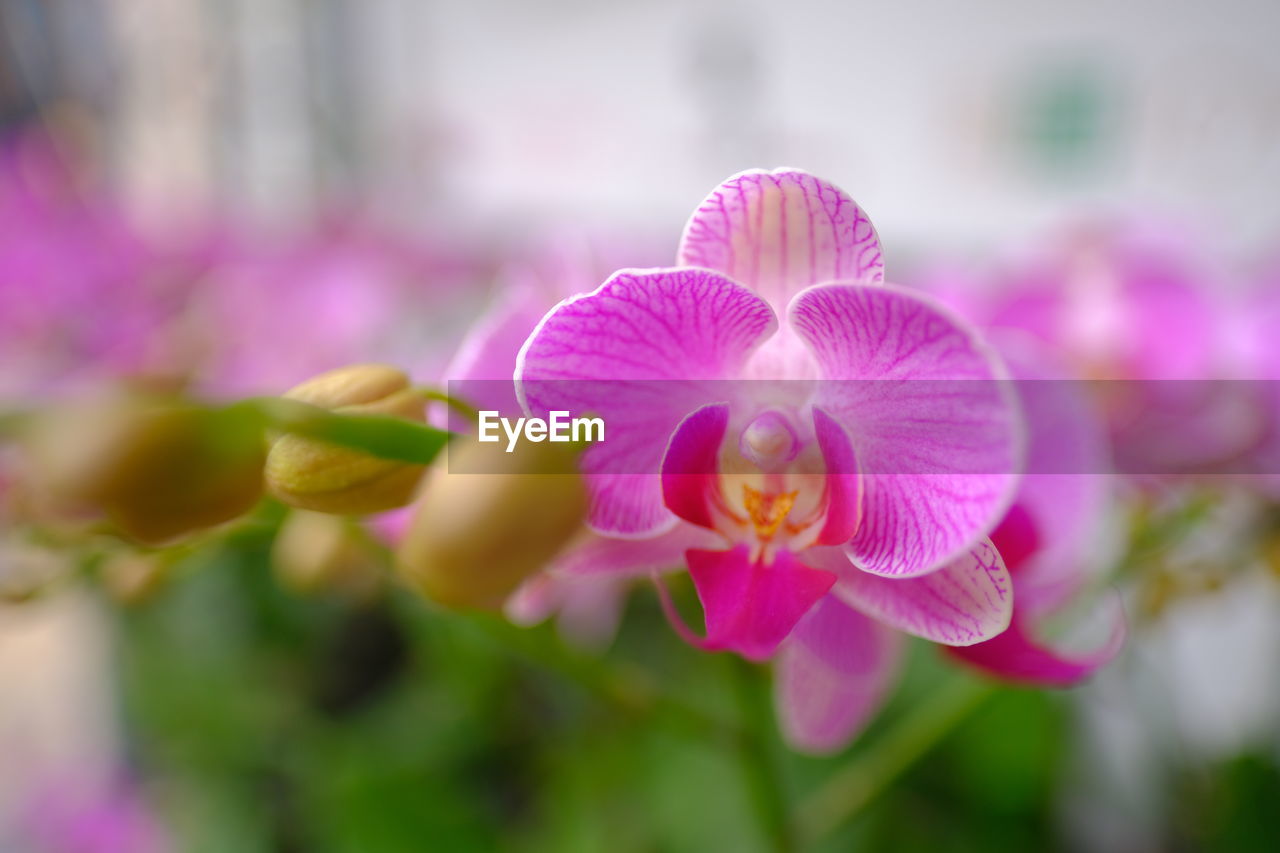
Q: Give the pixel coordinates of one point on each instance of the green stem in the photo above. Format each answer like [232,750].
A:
[629,689]
[846,792]
[758,757]
[378,435]
[465,409]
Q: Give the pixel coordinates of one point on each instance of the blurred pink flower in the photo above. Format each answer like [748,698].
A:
[1256,321]
[273,312]
[1119,300]
[75,299]
[87,297]
[67,817]
[587,610]
[1137,311]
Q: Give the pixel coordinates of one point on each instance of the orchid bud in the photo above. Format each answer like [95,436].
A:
[475,537]
[156,469]
[312,474]
[354,385]
[318,553]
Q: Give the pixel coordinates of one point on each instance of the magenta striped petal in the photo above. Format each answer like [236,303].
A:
[832,674]
[629,352]
[964,602]
[933,422]
[1016,655]
[779,232]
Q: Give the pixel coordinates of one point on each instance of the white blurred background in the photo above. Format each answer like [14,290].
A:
[954,124]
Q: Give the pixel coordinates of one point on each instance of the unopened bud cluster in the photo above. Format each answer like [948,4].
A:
[156,469]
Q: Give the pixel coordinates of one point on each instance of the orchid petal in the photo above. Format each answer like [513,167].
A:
[751,607]
[1016,655]
[1017,538]
[934,425]
[631,352]
[1064,495]
[964,602]
[486,359]
[690,469]
[833,673]
[843,485]
[779,232]
[604,556]
[587,609]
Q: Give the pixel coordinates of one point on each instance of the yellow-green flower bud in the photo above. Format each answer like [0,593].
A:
[157,469]
[316,475]
[475,537]
[354,385]
[318,553]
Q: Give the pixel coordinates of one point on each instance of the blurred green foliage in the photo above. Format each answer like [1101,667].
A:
[266,722]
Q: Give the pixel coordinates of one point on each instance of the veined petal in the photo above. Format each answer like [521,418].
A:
[751,607]
[934,424]
[1016,655]
[630,352]
[779,232]
[964,602]
[833,673]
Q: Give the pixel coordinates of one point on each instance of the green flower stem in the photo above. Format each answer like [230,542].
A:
[465,409]
[628,688]
[757,753]
[378,435]
[847,791]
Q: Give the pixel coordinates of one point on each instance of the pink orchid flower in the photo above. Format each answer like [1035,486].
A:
[1049,539]
[815,516]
